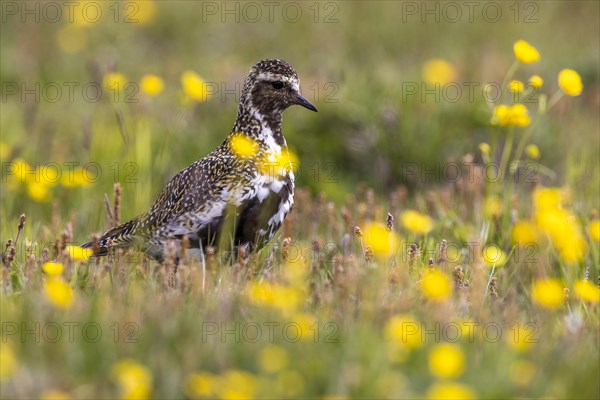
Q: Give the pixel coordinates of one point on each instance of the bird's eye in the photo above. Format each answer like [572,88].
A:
[277,85]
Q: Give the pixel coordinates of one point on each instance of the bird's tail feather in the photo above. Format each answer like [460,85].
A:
[121,236]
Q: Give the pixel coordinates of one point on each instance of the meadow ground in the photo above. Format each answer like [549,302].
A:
[445,237]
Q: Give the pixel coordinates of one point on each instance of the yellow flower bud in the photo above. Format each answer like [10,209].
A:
[516,86]
[536,81]
[151,85]
[525,53]
[570,82]
[532,151]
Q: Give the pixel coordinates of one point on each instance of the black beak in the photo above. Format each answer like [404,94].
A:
[301,101]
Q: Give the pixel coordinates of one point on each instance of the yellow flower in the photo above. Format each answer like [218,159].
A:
[438,71]
[446,361]
[532,151]
[500,115]
[145,10]
[573,250]
[38,191]
[78,253]
[547,293]
[243,146]
[524,233]
[76,177]
[296,271]
[194,86]
[273,358]
[562,227]
[521,338]
[493,256]
[516,86]
[201,384]
[484,148]
[492,207]
[134,379]
[8,361]
[380,240]
[436,286]
[587,292]
[275,165]
[525,53]
[48,174]
[548,199]
[536,81]
[570,82]
[53,269]
[403,330]
[273,295]
[114,81]
[23,171]
[235,384]
[307,324]
[519,115]
[55,395]
[87,13]
[594,230]
[521,372]
[288,159]
[451,391]
[416,222]
[59,293]
[4,151]
[151,85]
[71,39]
[515,115]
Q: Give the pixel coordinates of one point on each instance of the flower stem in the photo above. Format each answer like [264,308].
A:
[554,99]
[507,149]
[489,281]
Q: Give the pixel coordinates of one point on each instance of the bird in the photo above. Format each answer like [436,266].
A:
[246,184]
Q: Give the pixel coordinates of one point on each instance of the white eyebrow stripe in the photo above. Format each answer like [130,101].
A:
[270,77]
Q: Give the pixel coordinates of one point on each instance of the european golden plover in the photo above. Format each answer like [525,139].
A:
[247,180]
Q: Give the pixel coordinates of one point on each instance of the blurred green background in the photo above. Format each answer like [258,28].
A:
[360,63]
[354,60]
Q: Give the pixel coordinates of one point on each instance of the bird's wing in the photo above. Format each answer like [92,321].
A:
[197,197]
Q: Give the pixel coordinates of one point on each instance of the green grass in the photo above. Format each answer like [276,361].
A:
[361,156]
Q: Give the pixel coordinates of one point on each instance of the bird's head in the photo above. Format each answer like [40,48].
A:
[273,85]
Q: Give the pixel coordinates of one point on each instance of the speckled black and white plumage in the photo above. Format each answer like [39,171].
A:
[225,188]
